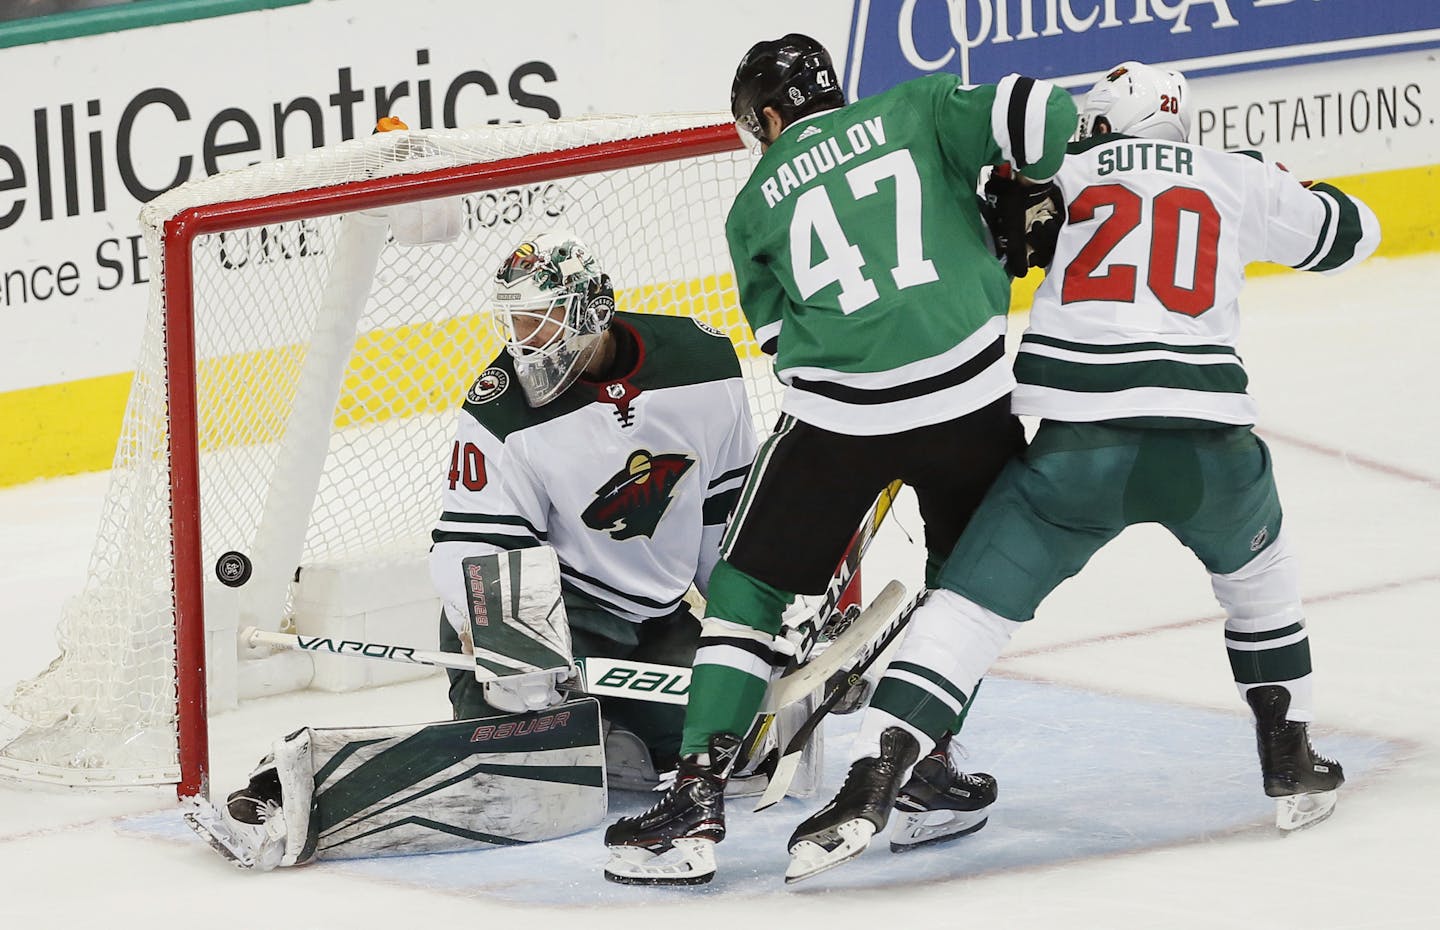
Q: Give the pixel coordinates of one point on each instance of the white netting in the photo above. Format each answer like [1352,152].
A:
[269,307]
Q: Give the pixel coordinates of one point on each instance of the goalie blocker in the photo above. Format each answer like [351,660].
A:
[519,630]
[407,790]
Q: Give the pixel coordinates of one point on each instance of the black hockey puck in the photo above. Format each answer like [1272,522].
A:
[233,569]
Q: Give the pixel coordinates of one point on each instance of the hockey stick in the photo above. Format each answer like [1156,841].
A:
[600,677]
[641,681]
[888,614]
[646,681]
[831,619]
[851,646]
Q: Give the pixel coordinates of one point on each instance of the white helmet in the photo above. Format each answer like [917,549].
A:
[1139,100]
[552,304]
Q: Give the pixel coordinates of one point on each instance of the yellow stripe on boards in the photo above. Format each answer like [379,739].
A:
[61,429]
[392,373]
[1406,203]
[69,428]
[712,299]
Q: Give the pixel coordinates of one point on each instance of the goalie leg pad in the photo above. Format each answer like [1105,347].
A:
[765,746]
[427,788]
[517,615]
[491,781]
[788,721]
[628,765]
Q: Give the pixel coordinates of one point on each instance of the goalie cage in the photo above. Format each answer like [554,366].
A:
[295,399]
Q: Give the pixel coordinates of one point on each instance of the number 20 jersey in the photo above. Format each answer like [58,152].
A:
[1138,315]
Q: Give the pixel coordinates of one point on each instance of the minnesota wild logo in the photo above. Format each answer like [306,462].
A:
[490,385]
[632,502]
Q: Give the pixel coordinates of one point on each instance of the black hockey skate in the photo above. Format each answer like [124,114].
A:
[673,843]
[1303,781]
[841,830]
[940,802]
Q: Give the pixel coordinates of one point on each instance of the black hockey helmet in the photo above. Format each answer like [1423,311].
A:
[793,74]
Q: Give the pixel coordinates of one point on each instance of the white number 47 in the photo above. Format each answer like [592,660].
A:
[815,218]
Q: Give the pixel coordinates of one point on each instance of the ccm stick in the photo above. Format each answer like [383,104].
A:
[831,618]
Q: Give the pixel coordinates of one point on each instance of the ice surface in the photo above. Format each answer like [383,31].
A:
[1129,794]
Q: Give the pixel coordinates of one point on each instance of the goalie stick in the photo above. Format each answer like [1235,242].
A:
[600,677]
[641,681]
[879,625]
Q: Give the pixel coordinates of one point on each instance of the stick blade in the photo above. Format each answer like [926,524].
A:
[794,685]
[780,781]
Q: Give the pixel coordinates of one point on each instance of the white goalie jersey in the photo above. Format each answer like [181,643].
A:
[630,481]
[1138,315]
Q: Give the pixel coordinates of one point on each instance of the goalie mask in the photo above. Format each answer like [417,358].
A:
[1139,100]
[793,74]
[552,307]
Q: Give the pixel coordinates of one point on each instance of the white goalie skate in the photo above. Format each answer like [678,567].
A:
[247,846]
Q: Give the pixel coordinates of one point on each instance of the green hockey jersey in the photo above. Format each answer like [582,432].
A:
[863,263]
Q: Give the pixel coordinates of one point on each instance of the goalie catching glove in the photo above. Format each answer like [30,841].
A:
[1024,218]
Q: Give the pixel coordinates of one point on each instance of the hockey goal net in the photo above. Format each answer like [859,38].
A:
[296,397]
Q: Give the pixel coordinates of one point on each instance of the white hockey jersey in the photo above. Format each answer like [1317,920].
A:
[1138,315]
[631,480]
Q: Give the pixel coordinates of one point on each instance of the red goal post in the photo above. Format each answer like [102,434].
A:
[298,364]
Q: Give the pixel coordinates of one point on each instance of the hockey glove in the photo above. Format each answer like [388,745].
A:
[522,694]
[799,629]
[1018,210]
[858,691]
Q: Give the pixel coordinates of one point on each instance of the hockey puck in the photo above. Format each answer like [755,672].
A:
[233,569]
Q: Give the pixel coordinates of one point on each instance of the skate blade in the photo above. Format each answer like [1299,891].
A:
[212,831]
[808,858]
[1296,811]
[686,862]
[926,828]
